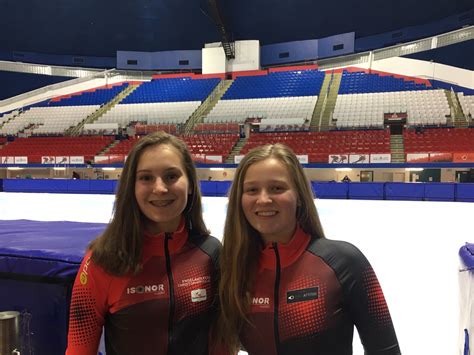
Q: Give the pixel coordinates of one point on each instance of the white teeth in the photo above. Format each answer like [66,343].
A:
[161,203]
[266,213]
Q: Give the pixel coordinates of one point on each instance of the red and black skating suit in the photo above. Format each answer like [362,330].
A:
[309,294]
[165,309]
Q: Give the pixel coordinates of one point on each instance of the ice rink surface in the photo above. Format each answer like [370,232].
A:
[412,246]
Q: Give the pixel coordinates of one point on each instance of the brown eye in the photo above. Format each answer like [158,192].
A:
[145,178]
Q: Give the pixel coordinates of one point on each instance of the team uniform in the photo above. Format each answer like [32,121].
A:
[308,296]
[165,309]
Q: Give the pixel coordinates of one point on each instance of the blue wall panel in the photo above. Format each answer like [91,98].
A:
[298,51]
[325,45]
[465,192]
[167,60]
[439,192]
[334,190]
[404,191]
[329,190]
[366,191]
[215,188]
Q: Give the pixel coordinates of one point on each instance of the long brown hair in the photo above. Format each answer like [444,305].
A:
[242,243]
[119,249]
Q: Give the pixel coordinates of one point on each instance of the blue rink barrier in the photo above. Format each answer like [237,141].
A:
[330,190]
[404,191]
[366,191]
[325,190]
[215,188]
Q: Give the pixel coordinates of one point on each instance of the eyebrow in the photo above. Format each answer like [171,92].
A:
[171,168]
[270,181]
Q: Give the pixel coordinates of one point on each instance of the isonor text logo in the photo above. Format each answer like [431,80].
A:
[261,301]
[146,289]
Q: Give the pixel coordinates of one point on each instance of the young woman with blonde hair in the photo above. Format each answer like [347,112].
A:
[285,288]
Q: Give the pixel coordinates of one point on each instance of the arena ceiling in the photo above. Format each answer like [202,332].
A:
[100,28]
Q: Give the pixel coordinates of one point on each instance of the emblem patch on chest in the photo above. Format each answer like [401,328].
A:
[306,294]
[198,295]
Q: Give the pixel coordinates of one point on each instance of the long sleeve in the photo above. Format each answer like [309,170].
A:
[368,307]
[88,309]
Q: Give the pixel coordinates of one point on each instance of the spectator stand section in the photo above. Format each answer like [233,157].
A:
[54,150]
[205,148]
[439,145]
[276,99]
[334,147]
[56,116]
[160,103]
[365,99]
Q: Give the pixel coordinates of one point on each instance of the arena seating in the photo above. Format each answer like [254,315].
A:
[467,103]
[161,101]
[208,144]
[360,82]
[211,144]
[216,128]
[364,99]
[144,129]
[47,120]
[36,147]
[152,113]
[318,145]
[95,97]
[172,90]
[286,94]
[447,140]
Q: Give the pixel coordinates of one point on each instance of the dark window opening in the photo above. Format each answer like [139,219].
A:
[284,55]
[132,61]
[78,60]
[184,62]
[338,47]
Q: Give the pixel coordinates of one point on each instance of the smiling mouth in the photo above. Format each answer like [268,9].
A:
[266,213]
[161,203]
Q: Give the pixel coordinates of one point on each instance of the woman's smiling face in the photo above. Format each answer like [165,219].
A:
[269,200]
[161,188]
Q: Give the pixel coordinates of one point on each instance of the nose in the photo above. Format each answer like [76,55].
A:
[264,197]
[159,186]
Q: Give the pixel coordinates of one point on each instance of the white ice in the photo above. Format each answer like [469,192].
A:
[413,247]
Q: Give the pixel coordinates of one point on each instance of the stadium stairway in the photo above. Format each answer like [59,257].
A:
[397,148]
[107,148]
[75,131]
[236,150]
[459,119]
[207,105]
[322,114]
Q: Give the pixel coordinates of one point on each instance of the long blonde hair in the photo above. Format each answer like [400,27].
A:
[119,249]
[242,243]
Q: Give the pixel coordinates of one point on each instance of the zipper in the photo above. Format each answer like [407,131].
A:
[171,288]
[276,299]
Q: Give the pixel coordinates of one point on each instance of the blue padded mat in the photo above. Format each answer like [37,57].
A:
[467,255]
[47,249]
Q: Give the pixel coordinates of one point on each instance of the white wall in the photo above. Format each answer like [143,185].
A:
[247,57]
[213,60]
[424,70]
